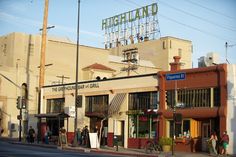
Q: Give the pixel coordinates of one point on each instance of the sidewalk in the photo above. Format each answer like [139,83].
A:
[112,150]
[136,152]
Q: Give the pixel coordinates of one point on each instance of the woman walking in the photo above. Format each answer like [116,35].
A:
[213,140]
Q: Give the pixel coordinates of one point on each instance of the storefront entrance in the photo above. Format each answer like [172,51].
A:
[205,135]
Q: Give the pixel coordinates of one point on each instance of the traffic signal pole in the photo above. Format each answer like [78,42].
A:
[75,143]
[174,111]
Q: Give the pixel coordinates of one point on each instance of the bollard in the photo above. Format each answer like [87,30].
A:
[116,142]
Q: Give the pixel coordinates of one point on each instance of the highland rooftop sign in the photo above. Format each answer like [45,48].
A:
[149,10]
[132,26]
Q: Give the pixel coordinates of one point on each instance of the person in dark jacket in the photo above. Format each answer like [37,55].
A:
[31,134]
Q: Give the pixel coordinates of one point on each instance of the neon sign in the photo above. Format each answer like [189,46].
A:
[131,26]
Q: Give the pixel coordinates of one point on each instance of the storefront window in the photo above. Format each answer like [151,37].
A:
[181,130]
[142,126]
[132,126]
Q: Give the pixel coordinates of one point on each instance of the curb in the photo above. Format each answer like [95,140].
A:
[34,144]
[100,151]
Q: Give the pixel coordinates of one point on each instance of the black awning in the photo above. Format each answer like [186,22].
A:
[52,115]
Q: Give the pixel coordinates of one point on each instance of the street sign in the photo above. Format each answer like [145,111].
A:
[175,76]
[19,117]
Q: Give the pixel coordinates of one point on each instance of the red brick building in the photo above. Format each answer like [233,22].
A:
[202,101]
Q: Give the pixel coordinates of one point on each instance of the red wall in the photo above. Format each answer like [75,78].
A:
[70,137]
[110,137]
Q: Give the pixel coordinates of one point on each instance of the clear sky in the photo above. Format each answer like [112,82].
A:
[207,23]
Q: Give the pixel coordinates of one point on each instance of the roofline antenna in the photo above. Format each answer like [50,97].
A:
[226,49]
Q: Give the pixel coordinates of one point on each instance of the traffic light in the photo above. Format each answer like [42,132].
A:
[170,98]
[18,102]
[23,102]
[79,99]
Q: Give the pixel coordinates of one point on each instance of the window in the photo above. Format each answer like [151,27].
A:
[55,105]
[180,52]
[194,97]
[164,44]
[142,126]
[96,103]
[181,130]
[143,101]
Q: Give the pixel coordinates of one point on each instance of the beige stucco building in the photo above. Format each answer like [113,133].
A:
[20,60]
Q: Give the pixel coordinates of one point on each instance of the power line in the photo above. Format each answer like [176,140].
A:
[194,28]
[209,9]
[203,19]
[188,26]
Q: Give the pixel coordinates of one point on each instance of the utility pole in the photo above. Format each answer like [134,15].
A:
[76,75]
[42,61]
[62,78]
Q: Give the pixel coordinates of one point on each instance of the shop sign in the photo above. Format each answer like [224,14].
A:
[72,87]
[70,111]
[143,118]
[132,112]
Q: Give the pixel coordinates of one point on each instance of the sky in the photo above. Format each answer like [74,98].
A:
[209,24]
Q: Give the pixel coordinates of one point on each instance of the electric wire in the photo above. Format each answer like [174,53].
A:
[188,26]
[198,17]
[209,9]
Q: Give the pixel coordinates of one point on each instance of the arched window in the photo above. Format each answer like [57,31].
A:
[24,91]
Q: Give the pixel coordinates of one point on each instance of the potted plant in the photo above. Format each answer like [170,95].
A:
[166,143]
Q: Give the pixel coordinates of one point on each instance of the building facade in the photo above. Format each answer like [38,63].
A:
[124,88]
[20,60]
[136,111]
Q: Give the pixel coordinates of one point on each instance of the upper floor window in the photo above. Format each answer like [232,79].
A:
[208,97]
[142,101]
[96,103]
[55,105]
[164,44]
[180,52]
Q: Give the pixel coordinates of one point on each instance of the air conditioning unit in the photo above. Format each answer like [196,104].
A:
[210,59]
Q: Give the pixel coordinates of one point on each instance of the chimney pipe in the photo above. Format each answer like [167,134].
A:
[174,66]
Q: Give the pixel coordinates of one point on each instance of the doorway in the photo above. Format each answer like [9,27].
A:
[205,135]
[120,131]
[54,125]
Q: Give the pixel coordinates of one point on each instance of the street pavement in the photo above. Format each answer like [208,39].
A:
[111,151]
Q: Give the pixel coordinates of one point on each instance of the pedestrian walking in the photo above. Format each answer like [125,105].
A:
[85,134]
[213,140]
[31,134]
[225,142]
[62,138]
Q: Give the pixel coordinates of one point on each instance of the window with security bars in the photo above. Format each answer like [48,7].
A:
[55,105]
[96,103]
[143,101]
[207,97]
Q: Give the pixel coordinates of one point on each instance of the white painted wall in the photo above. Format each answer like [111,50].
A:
[231,108]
